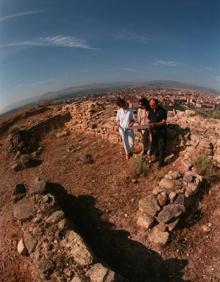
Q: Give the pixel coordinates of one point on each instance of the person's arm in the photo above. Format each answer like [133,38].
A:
[131,120]
[162,122]
[117,120]
[158,124]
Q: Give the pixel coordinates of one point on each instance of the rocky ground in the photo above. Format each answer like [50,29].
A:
[91,179]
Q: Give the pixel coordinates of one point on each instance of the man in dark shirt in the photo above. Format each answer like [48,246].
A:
[158,116]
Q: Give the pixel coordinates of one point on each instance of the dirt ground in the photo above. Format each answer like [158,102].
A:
[103,202]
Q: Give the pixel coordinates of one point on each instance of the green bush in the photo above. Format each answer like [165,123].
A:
[14,129]
[138,167]
[204,166]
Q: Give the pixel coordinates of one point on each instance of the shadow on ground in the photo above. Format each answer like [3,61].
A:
[129,258]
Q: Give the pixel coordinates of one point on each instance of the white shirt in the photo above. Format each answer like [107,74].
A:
[124,117]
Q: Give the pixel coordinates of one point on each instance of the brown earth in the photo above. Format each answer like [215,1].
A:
[102,201]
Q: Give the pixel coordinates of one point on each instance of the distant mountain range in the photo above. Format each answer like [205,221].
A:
[84,89]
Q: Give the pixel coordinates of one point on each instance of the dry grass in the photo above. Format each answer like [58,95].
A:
[205,167]
[138,167]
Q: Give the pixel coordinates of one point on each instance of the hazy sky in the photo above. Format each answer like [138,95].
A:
[51,44]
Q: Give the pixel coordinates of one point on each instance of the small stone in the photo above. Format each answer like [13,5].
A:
[76,279]
[46,267]
[172,196]
[134,181]
[99,273]
[167,183]
[19,189]
[16,166]
[63,223]
[206,228]
[180,199]
[21,248]
[162,199]
[173,175]
[158,237]
[145,221]
[87,159]
[162,227]
[55,217]
[38,186]
[30,242]
[173,224]
[24,209]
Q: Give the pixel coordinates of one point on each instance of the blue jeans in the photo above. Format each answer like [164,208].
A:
[127,136]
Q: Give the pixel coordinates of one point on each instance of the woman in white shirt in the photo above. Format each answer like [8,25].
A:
[124,121]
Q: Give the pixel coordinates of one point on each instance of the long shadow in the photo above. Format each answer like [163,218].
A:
[174,135]
[129,258]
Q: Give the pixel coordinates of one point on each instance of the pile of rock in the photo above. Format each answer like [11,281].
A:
[163,210]
[203,137]
[57,251]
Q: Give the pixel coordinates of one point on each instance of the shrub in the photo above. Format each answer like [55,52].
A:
[14,129]
[138,167]
[204,166]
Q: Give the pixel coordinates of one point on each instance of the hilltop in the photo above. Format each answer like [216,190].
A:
[127,220]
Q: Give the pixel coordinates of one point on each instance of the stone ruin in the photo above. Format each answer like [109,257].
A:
[57,251]
[189,136]
[25,142]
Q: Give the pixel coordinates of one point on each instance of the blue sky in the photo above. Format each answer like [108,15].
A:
[53,44]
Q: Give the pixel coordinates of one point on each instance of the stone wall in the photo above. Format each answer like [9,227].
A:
[57,251]
[25,142]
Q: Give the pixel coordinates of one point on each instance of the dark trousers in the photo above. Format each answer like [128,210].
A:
[158,145]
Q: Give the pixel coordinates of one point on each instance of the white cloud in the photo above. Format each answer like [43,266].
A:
[210,69]
[20,14]
[165,63]
[131,36]
[51,41]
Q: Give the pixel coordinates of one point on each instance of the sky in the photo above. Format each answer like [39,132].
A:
[54,44]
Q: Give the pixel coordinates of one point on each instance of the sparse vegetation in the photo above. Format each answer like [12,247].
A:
[204,166]
[138,167]
[14,129]
[209,114]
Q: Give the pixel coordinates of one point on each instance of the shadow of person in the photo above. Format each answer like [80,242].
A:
[127,257]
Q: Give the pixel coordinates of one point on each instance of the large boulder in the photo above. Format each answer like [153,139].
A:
[149,205]
[24,209]
[170,213]
[77,248]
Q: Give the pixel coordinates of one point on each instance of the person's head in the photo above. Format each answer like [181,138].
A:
[121,103]
[144,104]
[154,103]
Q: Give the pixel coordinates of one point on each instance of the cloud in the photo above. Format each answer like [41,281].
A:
[217,78]
[210,69]
[130,36]
[35,83]
[165,63]
[51,41]
[20,14]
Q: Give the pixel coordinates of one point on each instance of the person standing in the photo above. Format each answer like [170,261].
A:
[158,116]
[142,119]
[124,122]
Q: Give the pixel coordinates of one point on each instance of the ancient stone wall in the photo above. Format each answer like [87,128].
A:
[57,251]
[25,142]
